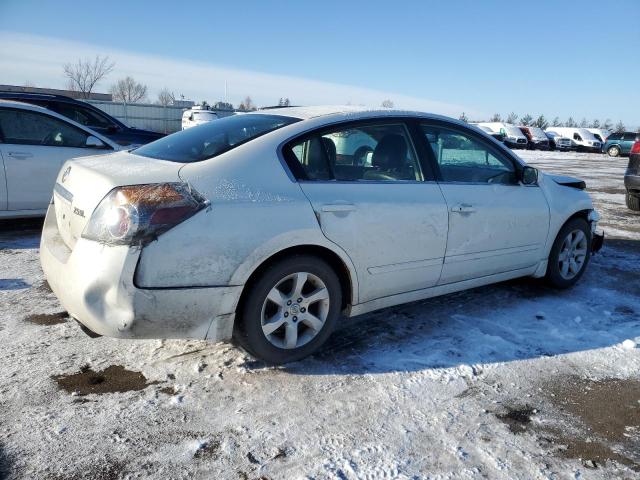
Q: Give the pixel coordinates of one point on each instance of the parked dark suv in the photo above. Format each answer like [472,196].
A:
[88,115]
[632,178]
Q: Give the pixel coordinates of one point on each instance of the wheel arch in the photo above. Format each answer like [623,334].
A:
[345,272]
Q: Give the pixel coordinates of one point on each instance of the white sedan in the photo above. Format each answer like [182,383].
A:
[249,226]
[34,144]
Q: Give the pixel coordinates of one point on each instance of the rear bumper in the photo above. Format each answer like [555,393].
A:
[94,283]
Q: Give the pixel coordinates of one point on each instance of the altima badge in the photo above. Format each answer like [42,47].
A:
[66,174]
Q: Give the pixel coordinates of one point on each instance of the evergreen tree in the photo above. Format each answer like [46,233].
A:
[541,122]
[512,118]
[526,120]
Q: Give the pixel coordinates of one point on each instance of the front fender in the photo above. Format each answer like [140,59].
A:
[564,202]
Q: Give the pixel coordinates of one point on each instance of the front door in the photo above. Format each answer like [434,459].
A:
[371,197]
[496,224]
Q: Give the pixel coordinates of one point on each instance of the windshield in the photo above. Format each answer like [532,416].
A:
[537,132]
[586,134]
[212,138]
[513,131]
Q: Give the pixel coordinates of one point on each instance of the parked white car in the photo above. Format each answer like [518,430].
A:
[34,144]
[249,225]
[600,133]
[197,116]
[582,138]
[513,136]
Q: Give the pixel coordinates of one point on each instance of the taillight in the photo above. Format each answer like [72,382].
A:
[137,214]
[636,147]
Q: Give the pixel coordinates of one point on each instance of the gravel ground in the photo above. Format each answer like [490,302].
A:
[506,381]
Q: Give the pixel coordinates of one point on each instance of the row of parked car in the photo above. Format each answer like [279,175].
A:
[595,140]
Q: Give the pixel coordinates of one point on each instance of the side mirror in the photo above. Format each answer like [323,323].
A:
[529,175]
[94,142]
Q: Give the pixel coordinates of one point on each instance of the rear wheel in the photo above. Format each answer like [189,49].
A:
[570,254]
[633,202]
[290,311]
[613,151]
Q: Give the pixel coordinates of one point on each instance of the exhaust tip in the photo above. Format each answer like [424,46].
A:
[87,331]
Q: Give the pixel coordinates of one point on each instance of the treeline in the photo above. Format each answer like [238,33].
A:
[542,122]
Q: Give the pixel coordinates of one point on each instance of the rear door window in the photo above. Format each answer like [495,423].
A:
[380,152]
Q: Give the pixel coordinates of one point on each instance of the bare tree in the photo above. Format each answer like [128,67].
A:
[387,104]
[166,97]
[620,128]
[496,118]
[85,74]
[463,118]
[512,118]
[223,105]
[607,125]
[128,90]
[556,122]
[247,104]
[526,120]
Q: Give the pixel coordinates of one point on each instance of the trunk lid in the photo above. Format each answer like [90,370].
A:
[83,183]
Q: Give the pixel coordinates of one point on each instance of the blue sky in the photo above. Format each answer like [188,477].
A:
[553,57]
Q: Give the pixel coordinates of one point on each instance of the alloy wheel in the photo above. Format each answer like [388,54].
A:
[573,254]
[295,310]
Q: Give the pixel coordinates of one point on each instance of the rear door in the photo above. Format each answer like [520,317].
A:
[496,224]
[35,147]
[373,198]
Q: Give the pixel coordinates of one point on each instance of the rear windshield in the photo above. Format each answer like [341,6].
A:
[204,116]
[210,139]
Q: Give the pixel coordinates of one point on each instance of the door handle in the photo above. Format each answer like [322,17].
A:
[338,207]
[463,208]
[20,155]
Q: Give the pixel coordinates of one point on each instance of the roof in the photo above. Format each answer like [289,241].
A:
[345,112]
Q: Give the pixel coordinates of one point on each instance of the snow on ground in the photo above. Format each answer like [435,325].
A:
[507,381]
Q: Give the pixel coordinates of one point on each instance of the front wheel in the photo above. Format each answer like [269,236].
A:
[570,254]
[290,311]
[613,151]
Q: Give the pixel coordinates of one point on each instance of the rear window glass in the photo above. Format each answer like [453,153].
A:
[213,138]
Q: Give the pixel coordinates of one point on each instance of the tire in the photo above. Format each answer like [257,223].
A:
[563,274]
[613,151]
[259,314]
[633,202]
